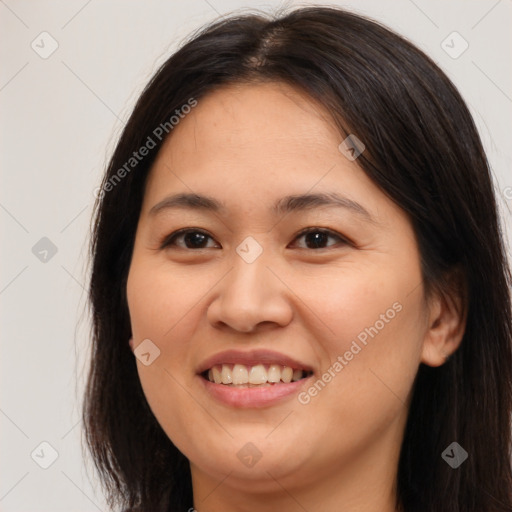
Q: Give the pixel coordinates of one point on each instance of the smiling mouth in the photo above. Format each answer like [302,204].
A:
[259,375]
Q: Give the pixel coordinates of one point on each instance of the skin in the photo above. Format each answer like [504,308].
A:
[246,146]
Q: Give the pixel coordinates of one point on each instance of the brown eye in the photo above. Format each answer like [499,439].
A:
[316,238]
[191,238]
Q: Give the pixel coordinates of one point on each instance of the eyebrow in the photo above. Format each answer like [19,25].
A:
[284,205]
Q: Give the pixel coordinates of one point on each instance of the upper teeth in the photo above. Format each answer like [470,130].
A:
[258,374]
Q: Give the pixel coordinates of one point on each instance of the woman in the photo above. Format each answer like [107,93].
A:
[299,287]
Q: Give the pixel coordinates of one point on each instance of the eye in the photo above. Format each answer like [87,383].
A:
[193,239]
[197,239]
[316,238]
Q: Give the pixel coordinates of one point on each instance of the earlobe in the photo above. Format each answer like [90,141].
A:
[433,356]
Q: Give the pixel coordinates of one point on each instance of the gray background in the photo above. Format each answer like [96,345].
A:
[60,118]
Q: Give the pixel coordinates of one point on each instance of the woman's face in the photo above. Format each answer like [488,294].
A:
[246,295]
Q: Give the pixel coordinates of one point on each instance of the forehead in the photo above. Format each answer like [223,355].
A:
[253,144]
[253,133]
[265,117]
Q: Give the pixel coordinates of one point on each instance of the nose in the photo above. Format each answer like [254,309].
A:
[250,298]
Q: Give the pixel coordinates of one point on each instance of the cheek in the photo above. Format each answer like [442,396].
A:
[162,310]
[351,302]
[373,333]
[365,385]
[161,302]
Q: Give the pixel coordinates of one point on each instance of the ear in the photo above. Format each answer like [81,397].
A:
[447,316]
[131,344]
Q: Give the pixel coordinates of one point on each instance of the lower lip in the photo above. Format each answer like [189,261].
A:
[253,397]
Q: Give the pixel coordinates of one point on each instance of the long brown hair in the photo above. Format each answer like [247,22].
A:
[424,152]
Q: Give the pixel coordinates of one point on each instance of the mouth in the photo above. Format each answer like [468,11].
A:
[249,376]
[260,378]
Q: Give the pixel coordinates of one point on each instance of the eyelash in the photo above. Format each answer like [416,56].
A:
[170,239]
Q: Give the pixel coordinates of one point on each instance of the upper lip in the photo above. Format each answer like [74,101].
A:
[252,358]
